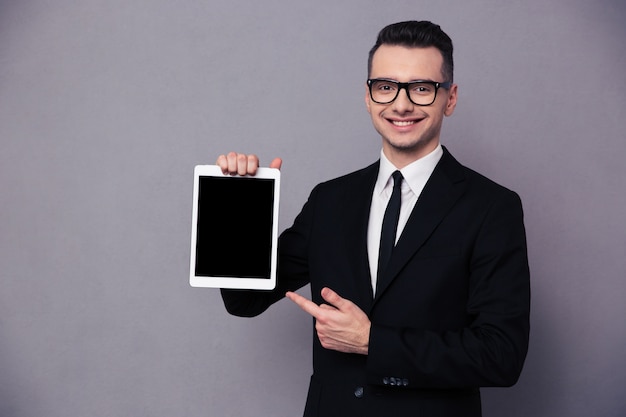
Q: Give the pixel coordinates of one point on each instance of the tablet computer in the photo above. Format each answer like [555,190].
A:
[234,231]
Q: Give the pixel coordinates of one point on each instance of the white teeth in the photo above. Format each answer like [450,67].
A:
[401,123]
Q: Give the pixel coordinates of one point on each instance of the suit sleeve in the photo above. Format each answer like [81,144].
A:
[490,350]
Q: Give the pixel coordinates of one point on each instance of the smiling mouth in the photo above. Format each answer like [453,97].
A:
[403,123]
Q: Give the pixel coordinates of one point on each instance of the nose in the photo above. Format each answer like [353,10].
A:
[402,103]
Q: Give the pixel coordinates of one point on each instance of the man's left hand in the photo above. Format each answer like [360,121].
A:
[341,325]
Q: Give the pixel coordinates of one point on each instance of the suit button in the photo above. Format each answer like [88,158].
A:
[358,392]
[386,381]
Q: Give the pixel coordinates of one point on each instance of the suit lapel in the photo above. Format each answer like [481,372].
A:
[441,192]
[355,214]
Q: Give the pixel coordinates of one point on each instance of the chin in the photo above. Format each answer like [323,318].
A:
[415,149]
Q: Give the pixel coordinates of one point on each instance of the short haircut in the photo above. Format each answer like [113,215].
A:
[414,34]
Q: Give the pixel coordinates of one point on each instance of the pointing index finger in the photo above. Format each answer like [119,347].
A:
[305,304]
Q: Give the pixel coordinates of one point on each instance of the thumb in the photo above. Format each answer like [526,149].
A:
[332,297]
[276,163]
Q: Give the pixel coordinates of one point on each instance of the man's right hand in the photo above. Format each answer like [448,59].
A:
[238,163]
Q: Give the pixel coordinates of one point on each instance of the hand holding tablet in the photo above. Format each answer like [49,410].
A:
[235,225]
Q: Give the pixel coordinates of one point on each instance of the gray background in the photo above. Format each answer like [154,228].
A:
[106,106]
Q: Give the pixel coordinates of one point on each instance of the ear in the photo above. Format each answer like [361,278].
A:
[368,101]
[451,103]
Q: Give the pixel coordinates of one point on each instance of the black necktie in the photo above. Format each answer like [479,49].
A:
[390,224]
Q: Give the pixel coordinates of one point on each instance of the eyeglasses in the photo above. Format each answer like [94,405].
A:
[420,92]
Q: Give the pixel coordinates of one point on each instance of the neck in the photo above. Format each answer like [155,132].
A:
[401,157]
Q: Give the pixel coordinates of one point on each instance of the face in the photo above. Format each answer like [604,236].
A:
[408,131]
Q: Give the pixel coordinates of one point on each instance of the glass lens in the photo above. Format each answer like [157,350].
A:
[422,93]
[384,91]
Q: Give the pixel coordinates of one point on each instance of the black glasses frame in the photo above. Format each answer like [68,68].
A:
[405,86]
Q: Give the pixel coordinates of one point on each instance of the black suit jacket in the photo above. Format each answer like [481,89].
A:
[450,315]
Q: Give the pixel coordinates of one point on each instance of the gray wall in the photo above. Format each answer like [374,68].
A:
[106,106]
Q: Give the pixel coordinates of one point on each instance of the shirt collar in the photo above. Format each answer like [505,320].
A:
[415,174]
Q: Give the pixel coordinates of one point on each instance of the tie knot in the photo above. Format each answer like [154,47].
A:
[397,179]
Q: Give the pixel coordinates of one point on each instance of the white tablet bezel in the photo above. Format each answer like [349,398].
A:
[260,283]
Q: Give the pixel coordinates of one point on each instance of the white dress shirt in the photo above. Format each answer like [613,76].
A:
[416,174]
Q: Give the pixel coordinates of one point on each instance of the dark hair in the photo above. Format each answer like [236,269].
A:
[414,34]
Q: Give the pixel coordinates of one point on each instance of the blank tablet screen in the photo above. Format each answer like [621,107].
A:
[234,227]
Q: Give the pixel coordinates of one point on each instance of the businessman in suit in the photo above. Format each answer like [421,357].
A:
[417,265]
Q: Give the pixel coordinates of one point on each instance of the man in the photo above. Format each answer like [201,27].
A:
[419,278]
